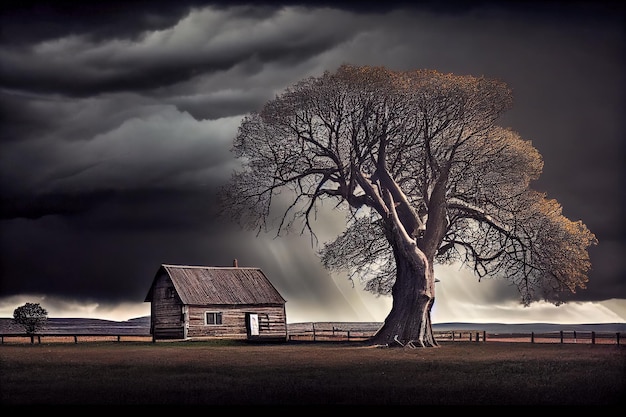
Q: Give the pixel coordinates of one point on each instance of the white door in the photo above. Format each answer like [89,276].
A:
[254,324]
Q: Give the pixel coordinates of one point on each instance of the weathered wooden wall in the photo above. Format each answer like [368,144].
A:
[166,312]
[272,322]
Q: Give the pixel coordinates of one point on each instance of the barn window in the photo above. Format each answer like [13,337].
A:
[213,318]
[170,292]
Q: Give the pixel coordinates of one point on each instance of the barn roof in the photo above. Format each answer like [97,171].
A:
[197,285]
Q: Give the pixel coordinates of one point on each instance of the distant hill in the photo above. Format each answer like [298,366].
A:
[136,326]
[141,326]
[525,328]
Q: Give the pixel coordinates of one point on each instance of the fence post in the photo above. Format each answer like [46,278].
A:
[484,335]
[313,325]
[593,338]
[561,336]
[470,336]
[617,334]
[75,339]
[532,337]
[477,337]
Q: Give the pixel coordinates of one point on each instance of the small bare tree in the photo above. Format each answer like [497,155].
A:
[427,176]
[32,316]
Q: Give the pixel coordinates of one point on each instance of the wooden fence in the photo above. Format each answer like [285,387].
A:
[337,332]
[320,332]
[589,337]
[324,332]
[68,338]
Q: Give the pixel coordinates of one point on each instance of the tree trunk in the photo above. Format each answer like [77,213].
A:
[408,322]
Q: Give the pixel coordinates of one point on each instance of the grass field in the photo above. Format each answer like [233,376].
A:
[239,373]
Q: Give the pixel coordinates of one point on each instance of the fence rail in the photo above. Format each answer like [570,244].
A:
[321,332]
[66,338]
[317,332]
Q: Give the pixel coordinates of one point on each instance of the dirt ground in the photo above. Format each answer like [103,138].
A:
[328,353]
[310,373]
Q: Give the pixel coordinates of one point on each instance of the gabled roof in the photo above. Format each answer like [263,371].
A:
[197,285]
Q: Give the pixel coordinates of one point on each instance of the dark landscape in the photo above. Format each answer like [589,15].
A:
[238,373]
[227,372]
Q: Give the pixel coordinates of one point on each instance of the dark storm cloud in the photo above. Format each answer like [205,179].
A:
[118,119]
[208,41]
[220,105]
[29,116]
[109,251]
[182,151]
[27,22]
[26,121]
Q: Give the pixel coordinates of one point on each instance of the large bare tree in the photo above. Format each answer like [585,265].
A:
[427,176]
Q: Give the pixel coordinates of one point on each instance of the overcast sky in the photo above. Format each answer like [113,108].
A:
[118,118]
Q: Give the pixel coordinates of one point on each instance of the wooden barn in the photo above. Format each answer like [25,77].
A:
[215,302]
